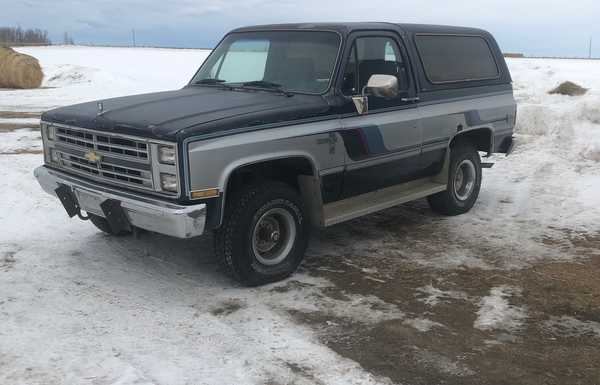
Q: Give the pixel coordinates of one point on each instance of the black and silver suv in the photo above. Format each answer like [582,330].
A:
[285,128]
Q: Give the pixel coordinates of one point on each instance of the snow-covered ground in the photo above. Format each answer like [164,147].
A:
[78,307]
[78,74]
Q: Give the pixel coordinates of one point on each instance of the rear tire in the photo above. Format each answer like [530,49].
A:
[264,234]
[102,225]
[464,182]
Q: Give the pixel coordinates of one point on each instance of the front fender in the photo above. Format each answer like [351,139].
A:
[210,162]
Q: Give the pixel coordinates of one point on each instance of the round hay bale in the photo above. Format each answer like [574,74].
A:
[18,70]
[569,89]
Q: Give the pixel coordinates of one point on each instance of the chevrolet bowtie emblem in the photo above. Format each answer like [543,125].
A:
[93,157]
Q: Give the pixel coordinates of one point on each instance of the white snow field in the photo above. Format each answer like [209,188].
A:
[79,307]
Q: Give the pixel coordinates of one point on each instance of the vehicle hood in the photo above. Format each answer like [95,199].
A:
[190,111]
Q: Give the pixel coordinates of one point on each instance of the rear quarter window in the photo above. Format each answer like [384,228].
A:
[450,59]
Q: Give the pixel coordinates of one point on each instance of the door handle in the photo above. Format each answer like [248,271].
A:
[415,99]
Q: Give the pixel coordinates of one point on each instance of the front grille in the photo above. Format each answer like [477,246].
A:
[115,173]
[102,143]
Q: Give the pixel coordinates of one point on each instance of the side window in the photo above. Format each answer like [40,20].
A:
[246,60]
[450,59]
[374,56]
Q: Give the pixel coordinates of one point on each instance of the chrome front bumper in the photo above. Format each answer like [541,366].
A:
[146,213]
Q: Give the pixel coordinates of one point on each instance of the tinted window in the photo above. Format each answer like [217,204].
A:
[300,61]
[456,58]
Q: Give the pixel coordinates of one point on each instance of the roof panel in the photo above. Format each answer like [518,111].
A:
[349,27]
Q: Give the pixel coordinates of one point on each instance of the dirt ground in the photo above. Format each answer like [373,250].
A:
[449,350]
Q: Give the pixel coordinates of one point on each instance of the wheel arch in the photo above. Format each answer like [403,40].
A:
[285,167]
[482,138]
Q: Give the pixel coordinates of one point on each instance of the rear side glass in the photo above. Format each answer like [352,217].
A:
[449,58]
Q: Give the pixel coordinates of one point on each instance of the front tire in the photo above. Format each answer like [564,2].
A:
[264,234]
[464,182]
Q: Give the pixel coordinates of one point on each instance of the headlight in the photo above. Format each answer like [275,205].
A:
[49,130]
[166,154]
[168,182]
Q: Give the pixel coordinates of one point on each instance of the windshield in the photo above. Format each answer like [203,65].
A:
[294,61]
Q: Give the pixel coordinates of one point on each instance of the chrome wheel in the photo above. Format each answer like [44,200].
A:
[465,179]
[273,236]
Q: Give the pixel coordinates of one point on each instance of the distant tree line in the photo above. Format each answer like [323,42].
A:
[68,39]
[17,35]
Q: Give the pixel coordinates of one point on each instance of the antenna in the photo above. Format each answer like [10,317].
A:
[133,36]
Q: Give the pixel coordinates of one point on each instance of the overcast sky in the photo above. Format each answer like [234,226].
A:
[540,27]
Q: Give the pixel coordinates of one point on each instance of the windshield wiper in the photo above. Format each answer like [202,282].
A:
[209,81]
[213,82]
[264,84]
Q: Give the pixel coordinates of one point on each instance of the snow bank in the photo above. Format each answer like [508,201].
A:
[570,123]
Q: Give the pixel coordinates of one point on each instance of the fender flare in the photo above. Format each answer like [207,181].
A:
[252,160]
[488,130]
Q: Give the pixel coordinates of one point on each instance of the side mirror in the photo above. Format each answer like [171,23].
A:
[383,86]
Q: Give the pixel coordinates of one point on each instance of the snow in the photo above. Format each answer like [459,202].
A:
[572,327]
[422,324]
[76,74]
[496,313]
[34,122]
[435,296]
[78,307]
[20,140]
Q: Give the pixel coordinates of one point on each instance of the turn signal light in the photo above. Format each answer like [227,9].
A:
[209,193]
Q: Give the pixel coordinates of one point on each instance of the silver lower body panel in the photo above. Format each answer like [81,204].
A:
[146,213]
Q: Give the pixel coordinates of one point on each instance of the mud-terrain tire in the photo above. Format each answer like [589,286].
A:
[464,182]
[264,233]
[102,225]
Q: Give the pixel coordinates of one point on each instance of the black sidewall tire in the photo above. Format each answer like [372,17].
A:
[296,254]
[233,241]
[446,202]
[466,152]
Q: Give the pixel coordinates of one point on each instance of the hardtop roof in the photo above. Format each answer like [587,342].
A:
[345,28]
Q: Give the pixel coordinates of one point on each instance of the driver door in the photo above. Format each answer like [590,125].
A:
[384,145]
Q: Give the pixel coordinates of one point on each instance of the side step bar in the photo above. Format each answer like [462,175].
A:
[323,215]
[378,200]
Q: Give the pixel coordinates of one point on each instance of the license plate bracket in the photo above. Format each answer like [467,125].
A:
[115,216]
[68,200]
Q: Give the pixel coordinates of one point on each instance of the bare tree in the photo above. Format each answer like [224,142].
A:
[67,39]
[17,35]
